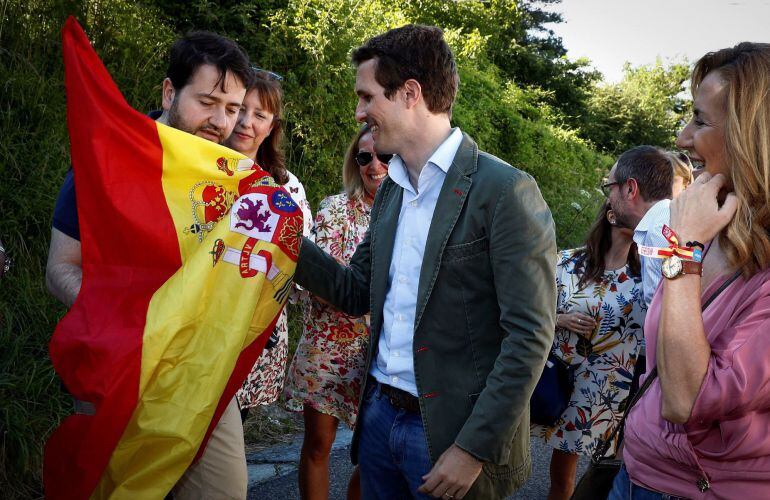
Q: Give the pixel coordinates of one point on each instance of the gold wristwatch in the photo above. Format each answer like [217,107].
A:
[675,266]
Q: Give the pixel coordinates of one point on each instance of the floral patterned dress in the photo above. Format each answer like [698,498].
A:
[605,359]
[328,367]
[265,382]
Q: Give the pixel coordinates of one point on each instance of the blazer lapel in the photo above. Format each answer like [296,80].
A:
[383,235]
[450,203]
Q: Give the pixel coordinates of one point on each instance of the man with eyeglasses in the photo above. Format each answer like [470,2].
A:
[206,81]
[458,271]
[639,188]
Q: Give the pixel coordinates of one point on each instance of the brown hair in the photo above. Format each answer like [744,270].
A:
[351,172]
[414,52]
[745,69]
[589,260]
[270,155]
[203,47]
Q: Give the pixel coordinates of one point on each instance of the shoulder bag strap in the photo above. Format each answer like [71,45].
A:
[602,449]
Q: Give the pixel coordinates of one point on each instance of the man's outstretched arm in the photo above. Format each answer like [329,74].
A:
[344,287]
[64,270]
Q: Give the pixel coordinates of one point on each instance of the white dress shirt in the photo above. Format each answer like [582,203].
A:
[394,364]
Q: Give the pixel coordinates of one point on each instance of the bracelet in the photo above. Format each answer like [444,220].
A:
[698,244]
[692,251]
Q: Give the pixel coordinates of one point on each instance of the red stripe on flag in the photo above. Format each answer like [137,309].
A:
[97,347]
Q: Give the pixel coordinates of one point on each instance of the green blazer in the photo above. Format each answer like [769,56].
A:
[485,308]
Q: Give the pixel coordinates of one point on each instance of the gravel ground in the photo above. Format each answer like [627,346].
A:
[285,487]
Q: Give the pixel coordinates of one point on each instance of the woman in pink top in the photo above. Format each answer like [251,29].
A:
[702,430]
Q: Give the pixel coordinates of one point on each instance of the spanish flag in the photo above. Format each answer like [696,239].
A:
[188,255]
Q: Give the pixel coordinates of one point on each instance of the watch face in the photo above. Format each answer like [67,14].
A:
[672,267]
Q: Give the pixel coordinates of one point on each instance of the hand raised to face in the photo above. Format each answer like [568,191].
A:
[696,214]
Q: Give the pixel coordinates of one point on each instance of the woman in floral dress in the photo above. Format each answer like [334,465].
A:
[600,314]
[327,373]
[258,134]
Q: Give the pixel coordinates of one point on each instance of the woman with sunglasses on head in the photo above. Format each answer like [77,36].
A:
[701,428]
[258,134]
[599,316]
[327,373]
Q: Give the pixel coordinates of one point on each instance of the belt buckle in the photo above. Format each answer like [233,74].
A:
[393,398]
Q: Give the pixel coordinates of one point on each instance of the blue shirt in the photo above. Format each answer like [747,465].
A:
[65,213]
[394,364]
[649,232]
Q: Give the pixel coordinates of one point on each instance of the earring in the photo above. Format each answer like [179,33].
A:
[611,217]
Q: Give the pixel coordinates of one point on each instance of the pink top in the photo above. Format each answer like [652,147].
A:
[727,439]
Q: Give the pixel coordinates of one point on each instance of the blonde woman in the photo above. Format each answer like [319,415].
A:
[701,429]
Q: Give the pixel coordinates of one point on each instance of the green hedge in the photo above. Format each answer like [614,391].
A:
[307,41]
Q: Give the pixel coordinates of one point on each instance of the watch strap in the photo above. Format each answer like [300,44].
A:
[692,267]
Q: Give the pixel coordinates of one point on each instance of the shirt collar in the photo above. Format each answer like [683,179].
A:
[445,154]
[653,215]
[442,158]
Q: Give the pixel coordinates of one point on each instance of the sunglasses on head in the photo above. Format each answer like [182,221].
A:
[364,158]
[267,74]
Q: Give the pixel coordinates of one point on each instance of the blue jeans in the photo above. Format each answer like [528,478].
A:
[624,489]
[392,451]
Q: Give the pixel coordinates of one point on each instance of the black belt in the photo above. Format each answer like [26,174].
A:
[400,399]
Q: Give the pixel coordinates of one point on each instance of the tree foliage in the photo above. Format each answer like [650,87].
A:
[646,107]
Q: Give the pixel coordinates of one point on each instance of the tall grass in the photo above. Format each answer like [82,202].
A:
[33,154]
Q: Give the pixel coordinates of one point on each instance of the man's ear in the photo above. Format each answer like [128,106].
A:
[168,94]
[632,188]
[412,92]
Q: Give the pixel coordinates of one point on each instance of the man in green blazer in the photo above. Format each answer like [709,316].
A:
[457,270]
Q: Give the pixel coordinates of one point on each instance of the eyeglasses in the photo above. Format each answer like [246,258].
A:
[606,187]
[268,74]
[364,158]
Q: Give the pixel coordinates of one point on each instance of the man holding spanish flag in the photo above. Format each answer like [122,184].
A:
[187,254]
